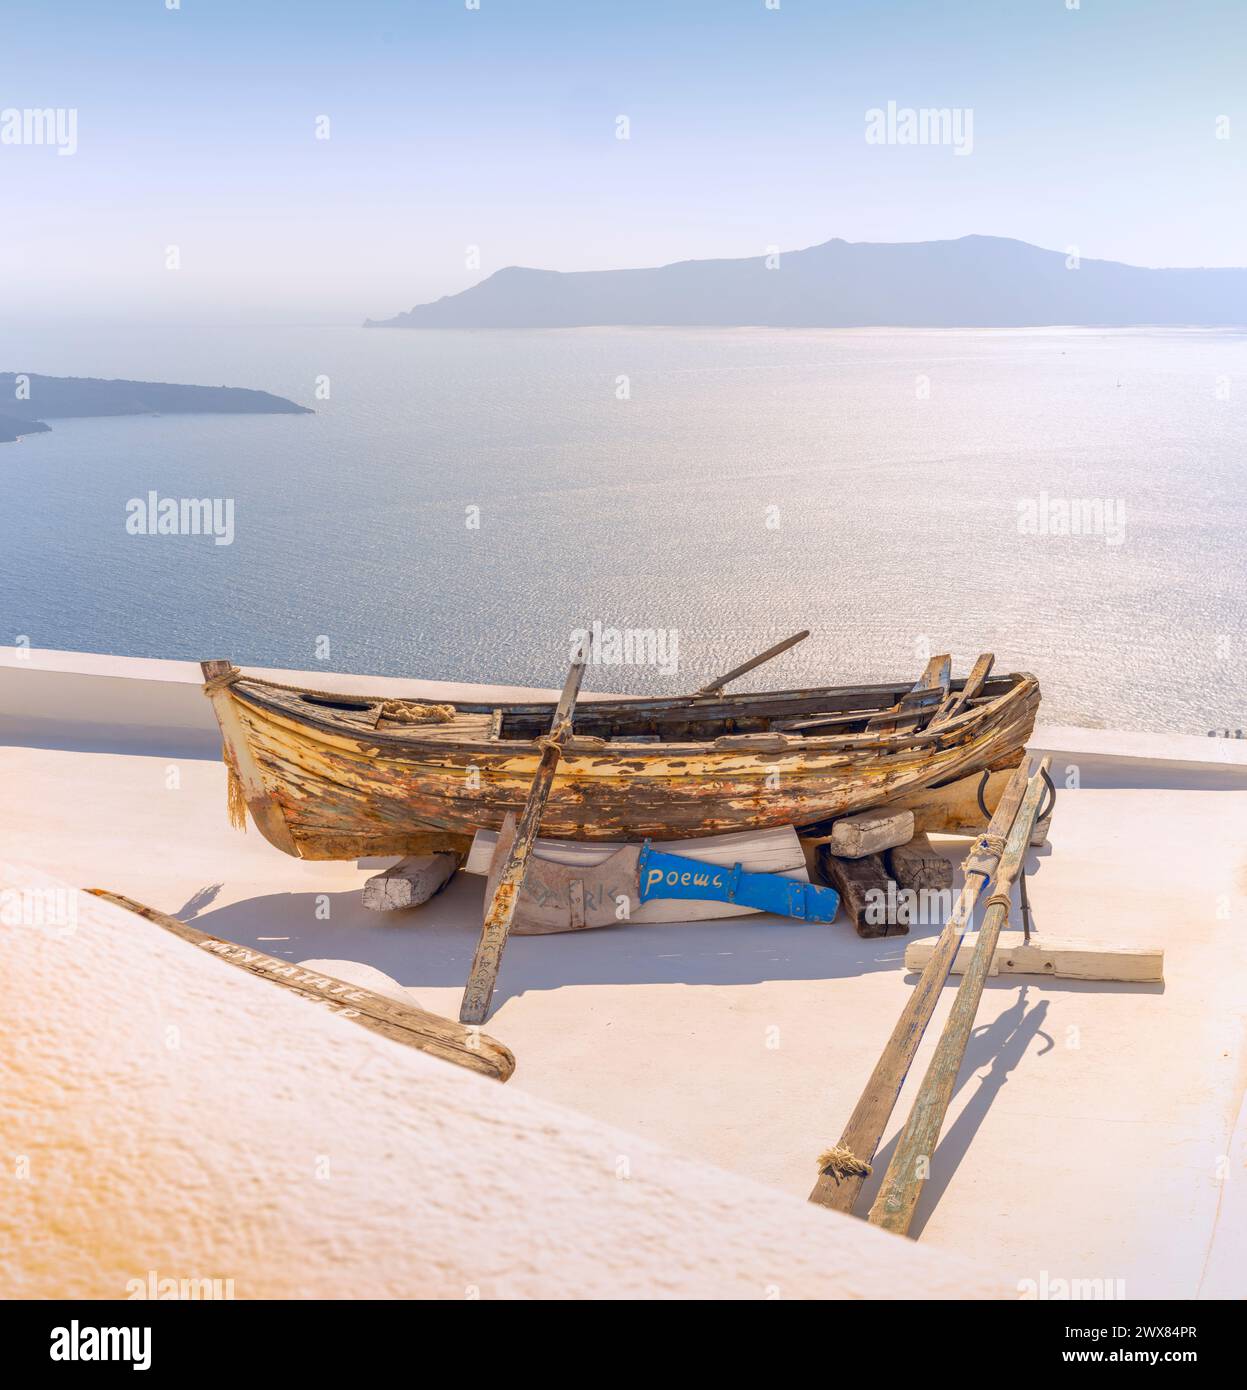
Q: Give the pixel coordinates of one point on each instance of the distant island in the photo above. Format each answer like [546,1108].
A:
[974,282]
[39,398]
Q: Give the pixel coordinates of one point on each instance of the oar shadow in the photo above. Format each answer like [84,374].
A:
[1001,1045]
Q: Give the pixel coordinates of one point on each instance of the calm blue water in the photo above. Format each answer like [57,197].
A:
[755,482]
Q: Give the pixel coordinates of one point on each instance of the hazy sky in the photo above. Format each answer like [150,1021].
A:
[496,128]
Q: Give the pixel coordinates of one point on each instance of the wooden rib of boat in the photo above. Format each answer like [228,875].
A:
[330,776]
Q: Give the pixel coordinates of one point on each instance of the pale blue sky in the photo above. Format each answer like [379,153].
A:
[451,127]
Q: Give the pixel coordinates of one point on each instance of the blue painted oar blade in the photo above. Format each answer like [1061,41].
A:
[675,876]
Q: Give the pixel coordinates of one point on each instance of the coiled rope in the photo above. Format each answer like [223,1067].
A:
[1000,900]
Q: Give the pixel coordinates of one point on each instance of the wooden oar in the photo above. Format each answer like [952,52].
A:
[483,976]
[716,686]
[405,1023]
[911,1161]
[845,1168]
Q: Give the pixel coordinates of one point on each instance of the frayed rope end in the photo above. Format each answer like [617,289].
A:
[841,1162]
[236,798]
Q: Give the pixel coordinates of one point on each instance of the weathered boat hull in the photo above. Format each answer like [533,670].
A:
[321,789]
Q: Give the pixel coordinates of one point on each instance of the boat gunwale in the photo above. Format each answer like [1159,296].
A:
[407,741]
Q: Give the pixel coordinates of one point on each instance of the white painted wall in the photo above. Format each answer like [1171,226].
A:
[166,1112]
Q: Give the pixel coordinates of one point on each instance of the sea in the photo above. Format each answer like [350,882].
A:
[462,503]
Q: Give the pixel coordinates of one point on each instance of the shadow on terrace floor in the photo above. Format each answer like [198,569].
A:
[433,945]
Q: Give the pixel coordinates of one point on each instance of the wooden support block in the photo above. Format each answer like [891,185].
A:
[410,882]
[868,894]
[1039,836]
[1065,959]
[870,832]
[919,865]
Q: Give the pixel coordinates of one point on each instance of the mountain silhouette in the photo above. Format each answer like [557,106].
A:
[973,282]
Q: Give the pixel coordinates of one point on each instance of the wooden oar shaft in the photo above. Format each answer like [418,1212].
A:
[405,1023]
[871,1114]
[479,991]
[717,685]
[567,700]
[911,1162]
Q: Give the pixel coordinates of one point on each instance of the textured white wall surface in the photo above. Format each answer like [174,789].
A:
[167,1115]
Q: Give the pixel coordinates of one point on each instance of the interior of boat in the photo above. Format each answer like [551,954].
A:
[680,719]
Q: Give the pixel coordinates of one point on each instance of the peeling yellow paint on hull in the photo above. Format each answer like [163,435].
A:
[333,792]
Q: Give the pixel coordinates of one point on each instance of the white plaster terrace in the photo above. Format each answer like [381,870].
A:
[1097,1132]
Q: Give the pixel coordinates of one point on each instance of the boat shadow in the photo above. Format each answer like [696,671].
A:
[433,945]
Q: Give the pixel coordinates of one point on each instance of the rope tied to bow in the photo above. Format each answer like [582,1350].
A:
[222,682]
[235,796]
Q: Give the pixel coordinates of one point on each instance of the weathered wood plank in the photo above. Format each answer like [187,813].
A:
[919,703]
[410,882]
[955,703]
[863,886]
[917,864]
[405,1023]
[1060,957]
[870,832]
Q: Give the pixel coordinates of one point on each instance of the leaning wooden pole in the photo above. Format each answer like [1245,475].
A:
[844,1169]
[405,1023]
[482,978]
[911,1162]
[716,686]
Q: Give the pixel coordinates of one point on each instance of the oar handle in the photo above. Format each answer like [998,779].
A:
[716,686]
[560,725]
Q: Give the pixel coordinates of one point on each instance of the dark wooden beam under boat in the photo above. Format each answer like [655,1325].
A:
[333,776]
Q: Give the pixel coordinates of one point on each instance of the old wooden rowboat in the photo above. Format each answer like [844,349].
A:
[328,776]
